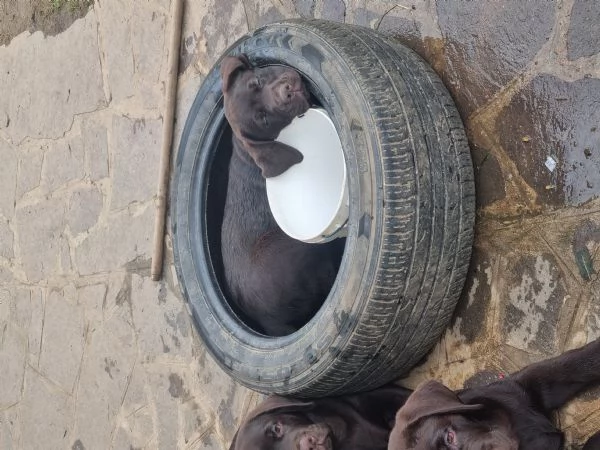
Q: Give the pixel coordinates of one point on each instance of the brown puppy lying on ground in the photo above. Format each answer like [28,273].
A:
[358,422]
[510,414]
[277,282]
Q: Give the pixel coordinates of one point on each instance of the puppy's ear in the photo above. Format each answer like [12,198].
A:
[272,157]
[429,399]
[230,65]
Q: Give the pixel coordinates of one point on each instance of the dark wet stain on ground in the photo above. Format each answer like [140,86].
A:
[489,182]
[176,387]
[473,303]
[556,119]
[488,44]
[584,33]
[78,445]
[225,410]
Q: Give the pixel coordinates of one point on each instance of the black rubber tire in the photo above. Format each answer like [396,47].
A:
[410,227]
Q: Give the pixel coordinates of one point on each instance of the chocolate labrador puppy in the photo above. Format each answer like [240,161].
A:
[277,282]
[352,422]
[511,414]
[514,413]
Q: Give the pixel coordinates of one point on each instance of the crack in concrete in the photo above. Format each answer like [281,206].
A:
[113,432]
[42,329]
[246,14]
[102,58]
[49,381]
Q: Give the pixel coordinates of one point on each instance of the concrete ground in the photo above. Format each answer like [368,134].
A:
[93,354]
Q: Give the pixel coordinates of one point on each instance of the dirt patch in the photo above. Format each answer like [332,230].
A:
[49,16]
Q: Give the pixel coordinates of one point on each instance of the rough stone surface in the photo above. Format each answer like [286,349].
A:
[221,23]
[12,361]
[162,325]
[6,240]
[85,205]
[121,239]
[63,162]
[110,357]
[583,37]
[40,234]
[133,35]
[63,339]
[53,79]
[332,10]
[30,170]
[46,413]
[95,355]
[95,142]
[135,145]
[8,175]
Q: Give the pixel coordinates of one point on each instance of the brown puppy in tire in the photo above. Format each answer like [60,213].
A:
[514,413]
[277,283]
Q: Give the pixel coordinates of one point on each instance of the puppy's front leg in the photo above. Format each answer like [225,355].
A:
[553,382]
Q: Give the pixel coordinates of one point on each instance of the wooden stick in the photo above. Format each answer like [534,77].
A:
[167,139]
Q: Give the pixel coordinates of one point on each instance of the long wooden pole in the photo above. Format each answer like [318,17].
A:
[167,139]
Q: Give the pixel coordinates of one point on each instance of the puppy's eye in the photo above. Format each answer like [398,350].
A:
[255,83]
[449,437]
[276,430]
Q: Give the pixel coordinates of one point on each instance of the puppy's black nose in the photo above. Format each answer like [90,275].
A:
[285,92]
[308,443]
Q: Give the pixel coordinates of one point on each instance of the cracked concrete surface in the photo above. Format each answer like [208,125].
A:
[94,354]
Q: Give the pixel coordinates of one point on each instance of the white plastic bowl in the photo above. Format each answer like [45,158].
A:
[309,201]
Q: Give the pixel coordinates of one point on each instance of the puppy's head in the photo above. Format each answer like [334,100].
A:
[259,103]
[434,418]
[283,424]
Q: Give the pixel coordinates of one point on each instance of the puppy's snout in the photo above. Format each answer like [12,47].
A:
[308,442]
[311,442]
[286,91]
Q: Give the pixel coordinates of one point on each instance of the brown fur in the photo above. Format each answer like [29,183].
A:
[276,282]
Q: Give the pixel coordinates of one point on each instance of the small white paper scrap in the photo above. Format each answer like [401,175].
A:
[550,163]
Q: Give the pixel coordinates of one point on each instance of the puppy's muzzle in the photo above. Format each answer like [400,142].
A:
[289,90]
